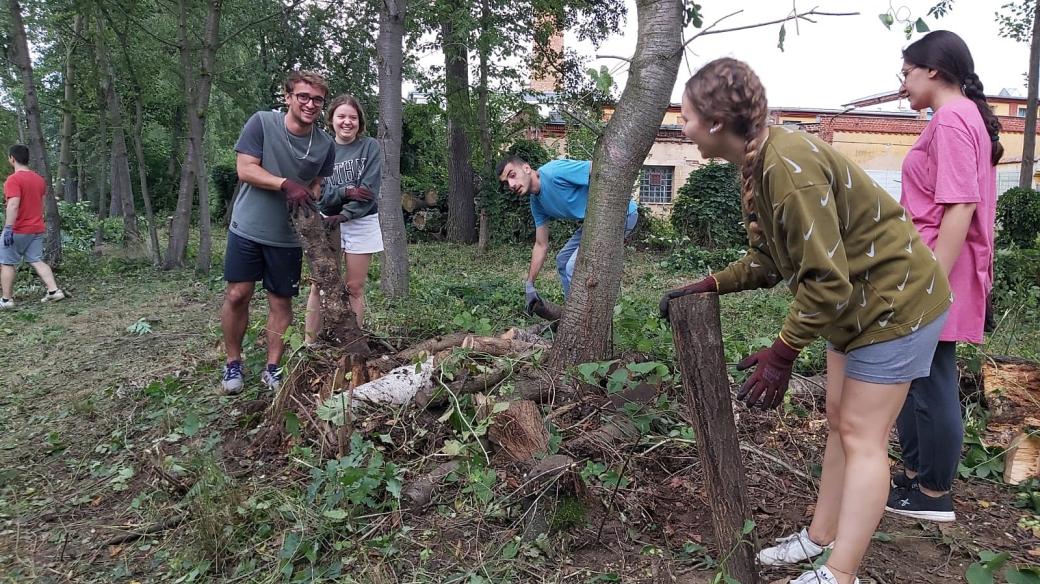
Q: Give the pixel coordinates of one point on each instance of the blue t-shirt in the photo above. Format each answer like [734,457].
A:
[564,191]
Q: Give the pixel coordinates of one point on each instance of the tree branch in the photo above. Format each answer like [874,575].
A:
[249,25]
[802,16]
[626,59]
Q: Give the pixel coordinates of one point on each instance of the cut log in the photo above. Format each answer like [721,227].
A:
[399,386]
[603,440]
[420,491]
[519,431]
[432,396]
[501,347]
[1022,459]
[528,335]
[411,203]
[432,346]
[1011,384]
[547,310]
[539,386]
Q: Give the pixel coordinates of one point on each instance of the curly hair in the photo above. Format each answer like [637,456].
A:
[729,91]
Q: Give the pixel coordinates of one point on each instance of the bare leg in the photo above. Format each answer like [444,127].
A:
[824,524]
[868,411]
[279,316]
[357,274]
[46,275]
[234,317]
[312,321]
[7,274]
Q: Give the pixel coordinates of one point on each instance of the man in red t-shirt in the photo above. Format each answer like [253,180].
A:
[23,228]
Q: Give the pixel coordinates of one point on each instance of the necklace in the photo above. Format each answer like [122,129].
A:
[293,150]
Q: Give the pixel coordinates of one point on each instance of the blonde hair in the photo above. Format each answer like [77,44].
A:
[728,91]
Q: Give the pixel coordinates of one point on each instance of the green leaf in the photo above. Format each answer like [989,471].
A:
[335,514]
[749,526]
[921,26]
[453,447]
[978,574]
[499,407]
[510,550]
[882,536]
[1023,575]
[292,424]
[887,19]
[191,424]
[783,35]
[994,561]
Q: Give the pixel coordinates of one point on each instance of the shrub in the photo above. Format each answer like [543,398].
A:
[1018,215]
[707,209]
[1015,271]
[691,259]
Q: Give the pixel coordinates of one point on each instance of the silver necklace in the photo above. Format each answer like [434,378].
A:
[293,150]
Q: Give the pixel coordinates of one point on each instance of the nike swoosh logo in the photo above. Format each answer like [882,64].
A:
[809,233]
[756,265]
[830,254]
[811,145]
[877,217]
[848,175]
[903,218]
[841,305]
[910,245]
[825,276]
[827,197]
[768,168]
[871,253]
[914,328]
[794,165]
[859,326]
[905,280]
[786,129]
[807,315]
[864,291]
[932,285]
[883,322]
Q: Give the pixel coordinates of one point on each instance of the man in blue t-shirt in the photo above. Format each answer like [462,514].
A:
[559,189]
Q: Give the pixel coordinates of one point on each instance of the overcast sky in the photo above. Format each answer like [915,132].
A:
[836,60]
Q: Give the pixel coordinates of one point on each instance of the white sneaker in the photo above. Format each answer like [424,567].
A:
[821,575]
[6,303]
[793,549]
[53,296]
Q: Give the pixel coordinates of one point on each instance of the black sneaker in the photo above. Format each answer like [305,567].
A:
[901,481]
[914,503]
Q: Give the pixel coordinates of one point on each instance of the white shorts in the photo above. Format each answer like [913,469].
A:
[361,235]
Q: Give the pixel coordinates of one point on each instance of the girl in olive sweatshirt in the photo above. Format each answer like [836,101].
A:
[861,278]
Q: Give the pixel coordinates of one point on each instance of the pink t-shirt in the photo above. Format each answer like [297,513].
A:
[950,163]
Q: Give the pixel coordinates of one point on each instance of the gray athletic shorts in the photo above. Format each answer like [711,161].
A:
[900,360]
[26,245]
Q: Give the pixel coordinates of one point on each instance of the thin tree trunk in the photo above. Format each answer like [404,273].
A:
[19,54]
[197,128]
[461,205]
[176,249]
[103,153]
[142,174]
[585,330]
[390,55]
[65,151]
[486,153]
[1025,177]
[178,141]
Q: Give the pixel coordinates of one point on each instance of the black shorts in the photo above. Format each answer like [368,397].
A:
[278,267]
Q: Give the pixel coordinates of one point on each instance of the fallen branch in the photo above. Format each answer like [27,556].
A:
[168,523]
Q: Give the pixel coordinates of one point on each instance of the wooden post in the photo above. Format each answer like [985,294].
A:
[697,332]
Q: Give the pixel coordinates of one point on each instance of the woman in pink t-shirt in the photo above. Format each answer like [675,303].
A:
[949,188]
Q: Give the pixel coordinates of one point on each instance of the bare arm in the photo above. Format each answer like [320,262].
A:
[952,232]
[538,252]
[12,210]
[250,171]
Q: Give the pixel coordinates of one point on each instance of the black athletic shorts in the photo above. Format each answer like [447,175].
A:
[278,267]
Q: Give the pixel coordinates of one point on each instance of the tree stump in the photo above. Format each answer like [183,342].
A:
[697,332]
[519,431]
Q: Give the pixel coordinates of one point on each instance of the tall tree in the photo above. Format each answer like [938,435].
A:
[19,54]
[69,188]
[390,53]
[455,43]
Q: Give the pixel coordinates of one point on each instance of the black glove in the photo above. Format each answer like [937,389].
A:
[530,297]
[333,221]
[706,285]
[297,197]
[771,377]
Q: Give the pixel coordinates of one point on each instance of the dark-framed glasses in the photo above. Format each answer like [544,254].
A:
[306,98]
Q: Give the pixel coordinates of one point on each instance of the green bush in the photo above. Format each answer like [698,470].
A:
[1015,271]
[1018,215]
[79,223]
[707,209]
[225,177]
[690,259]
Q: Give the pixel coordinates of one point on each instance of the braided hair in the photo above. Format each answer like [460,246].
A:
[729,91]
[948,54]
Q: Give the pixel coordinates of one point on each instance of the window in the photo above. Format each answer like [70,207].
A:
[1021,111]
[655,185]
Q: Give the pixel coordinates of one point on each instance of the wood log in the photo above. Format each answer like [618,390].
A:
[697,333]
[551,468]
[528,335]
[399,386]
[432,346]
[501,347]
[519,431]
[1022,459]
[432,396]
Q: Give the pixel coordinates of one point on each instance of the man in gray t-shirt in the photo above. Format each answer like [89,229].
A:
[281,159]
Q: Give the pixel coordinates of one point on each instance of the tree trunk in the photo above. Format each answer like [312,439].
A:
[486,153]
[697,331]
[1025,177]
[103,162]
[197,129]
[585,330]
[394,280]
[19,54]
[65,177]
[461,206]
[176,249]
[142,174]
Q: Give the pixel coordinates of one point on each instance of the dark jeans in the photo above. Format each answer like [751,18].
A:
[931,430]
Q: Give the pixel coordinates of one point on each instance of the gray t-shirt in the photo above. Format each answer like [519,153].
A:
[357,164]
[260,215]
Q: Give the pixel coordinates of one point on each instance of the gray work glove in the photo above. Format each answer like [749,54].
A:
[530,297]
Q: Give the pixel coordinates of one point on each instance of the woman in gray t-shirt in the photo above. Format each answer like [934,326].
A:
[349,204]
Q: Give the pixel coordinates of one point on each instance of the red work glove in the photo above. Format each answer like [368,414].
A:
[297,197]
[706,285]
[332,221]
[358,194]
[771,377]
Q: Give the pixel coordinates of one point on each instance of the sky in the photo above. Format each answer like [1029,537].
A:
[835,60]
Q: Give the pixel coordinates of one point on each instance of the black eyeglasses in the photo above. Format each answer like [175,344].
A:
[305,98]
[902,74]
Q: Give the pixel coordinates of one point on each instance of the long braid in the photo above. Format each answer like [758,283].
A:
[729,91]
[972,88]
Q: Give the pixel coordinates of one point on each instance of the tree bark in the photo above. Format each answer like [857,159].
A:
[19,53]
[176,249]
[1025,177]
[461,204]
[197,128]
[585,330]
[142,174]
[486,153]
[66,180]
[390,55]
[697,332]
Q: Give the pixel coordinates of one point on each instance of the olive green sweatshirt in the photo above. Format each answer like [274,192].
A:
[859,272]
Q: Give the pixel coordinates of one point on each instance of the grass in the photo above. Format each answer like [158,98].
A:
[105,429]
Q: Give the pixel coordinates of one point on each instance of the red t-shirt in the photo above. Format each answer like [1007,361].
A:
[31,188]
